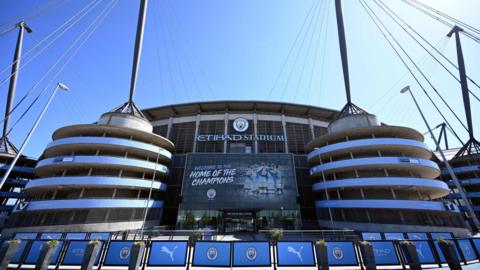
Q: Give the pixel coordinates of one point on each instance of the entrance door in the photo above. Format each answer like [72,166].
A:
[238,222]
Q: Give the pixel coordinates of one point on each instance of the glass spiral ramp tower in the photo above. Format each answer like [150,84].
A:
[106,176]
[98,177]
[373,177]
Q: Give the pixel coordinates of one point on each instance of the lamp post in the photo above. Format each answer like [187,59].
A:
[445,161]
[29,135]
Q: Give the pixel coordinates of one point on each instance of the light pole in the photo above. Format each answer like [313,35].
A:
[29,135]
[445,161]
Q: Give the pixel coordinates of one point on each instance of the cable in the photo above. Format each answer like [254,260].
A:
[406,65]
[435,17]
[325,16]
[306,58]
[419,43]
[92,27]
[419,70]
[33,87]
[88,8]
[290,51]
[297,56]
[465,25]
[33,13]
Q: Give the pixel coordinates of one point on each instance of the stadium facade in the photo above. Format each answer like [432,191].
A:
[237,166]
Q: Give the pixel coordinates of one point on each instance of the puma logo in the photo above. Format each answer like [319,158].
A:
[168,251]
[296,252]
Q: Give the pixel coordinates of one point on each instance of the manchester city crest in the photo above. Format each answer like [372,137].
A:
[338,253]
[212,253]
[251,253]
[124,253]
[240,124]
[211,193]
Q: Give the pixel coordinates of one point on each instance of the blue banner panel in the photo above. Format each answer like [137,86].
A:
[417,236]
[440,254]
[34,252]
[118,253]
[49,236]
[371,236]
[384,253]
[424,251]
[76,236]
[476,243]
[100,236]
[21,248]
[168,253]
[211,253]
[295,254]
[467,249]
[444,235]
[341,253]
[25,236]
[394,236]
[251,254]
[75,252]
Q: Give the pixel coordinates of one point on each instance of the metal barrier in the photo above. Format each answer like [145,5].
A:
[70,252]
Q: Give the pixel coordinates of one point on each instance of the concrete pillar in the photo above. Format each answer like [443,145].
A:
[7,251]
[197,124]
[408,248]
[46,254]
[284,126]
[169,127]
[225,132]
[448,249]
[255,132]
[368,258]
[138,249]
[90,255]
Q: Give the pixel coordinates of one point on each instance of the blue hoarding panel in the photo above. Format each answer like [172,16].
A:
[211,254]
[49,236]
[476,243]
[100,236]
[34,252]
[444,235]
[295,254]
[76,236]
[251,254]
[168,253]
[371,236]
[341,253]
[25,236]
[440,254]
[21,248]
[394,236]
[424,251]
[384,253]
[417,236]
[467,249]
[75,252]
[118,253]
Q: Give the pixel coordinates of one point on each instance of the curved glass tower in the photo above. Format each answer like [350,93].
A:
[98,177]
[373,177]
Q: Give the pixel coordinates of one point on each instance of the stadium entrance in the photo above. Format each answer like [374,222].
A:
[238,221]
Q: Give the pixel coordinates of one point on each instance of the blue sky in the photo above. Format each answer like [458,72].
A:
[223,50]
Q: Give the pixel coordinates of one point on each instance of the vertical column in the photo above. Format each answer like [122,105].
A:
[169,127]
[197,124]
[284,125]
[255,132]
[312,130]
[225,132]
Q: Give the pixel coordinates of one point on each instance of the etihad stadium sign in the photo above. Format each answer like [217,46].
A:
[239,138]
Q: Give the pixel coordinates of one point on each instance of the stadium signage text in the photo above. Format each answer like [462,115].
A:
[237,137]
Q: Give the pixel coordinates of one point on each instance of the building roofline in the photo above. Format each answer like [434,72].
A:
[191,108]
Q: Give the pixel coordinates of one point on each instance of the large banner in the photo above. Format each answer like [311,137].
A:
[232,181]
